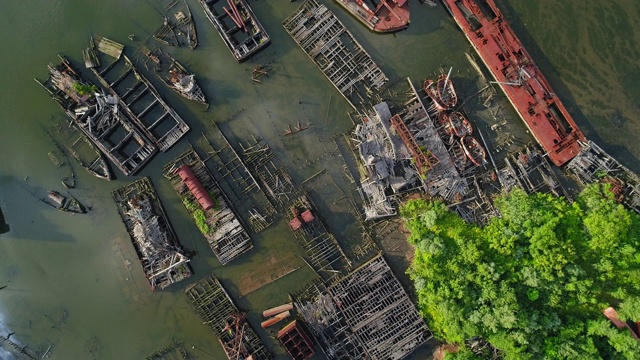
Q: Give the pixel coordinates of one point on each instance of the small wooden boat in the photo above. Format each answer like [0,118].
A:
[457,124]
[441,92]
[474,151]
[174,75]
[458,156]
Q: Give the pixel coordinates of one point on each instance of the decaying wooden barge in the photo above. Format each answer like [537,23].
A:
[593,165]
[100,119]
[135,94]
[208,205]
[153,238]
[217,310]
[335,51]
[238,26]
[365,315]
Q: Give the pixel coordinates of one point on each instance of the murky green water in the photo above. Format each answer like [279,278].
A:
[68,283]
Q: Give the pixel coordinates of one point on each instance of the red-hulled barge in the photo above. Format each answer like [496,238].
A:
[388,15]
[521,80]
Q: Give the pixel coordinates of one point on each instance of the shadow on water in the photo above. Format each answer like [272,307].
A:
[4,227]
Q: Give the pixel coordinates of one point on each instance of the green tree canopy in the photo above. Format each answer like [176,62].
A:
[533,282]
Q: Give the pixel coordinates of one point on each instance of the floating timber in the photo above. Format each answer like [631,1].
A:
[365,315]
[296,341]
[140,99]
[594,165]
[156,244]
[442,179]
[173,74]
[237,25]
[208,205]
[386,160]
[100,119]
[178,29]
[335,51]
[217,310]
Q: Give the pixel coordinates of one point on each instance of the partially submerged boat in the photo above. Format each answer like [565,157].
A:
[178,29]
[237,25]
[174,75]
[474,151]
[64,203]
[388,15]
[441,91]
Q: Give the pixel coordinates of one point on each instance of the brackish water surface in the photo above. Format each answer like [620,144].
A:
[73,282]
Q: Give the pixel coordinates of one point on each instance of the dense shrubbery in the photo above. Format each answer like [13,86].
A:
[533,282]
[84,89]
[199,217]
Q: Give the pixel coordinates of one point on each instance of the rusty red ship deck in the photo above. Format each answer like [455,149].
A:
[387,16]
[514,70]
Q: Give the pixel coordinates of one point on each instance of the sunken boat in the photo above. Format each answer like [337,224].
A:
[210,208]
[386,17]
[514,70]
[237,25]
[85,153]
[100,119]
[441,92]
[178,29]
[161,255]
[174,75]
[474,151]
[64,203]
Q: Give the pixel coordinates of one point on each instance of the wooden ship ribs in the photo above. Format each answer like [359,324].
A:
[217,310]
[100,119]
[178,29]
[237,25]
[364,315]
[388,169]
[335,51]
[138,97]
[156,244]
[224,230]
[594,165]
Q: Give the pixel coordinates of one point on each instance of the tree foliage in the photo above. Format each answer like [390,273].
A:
[534,281]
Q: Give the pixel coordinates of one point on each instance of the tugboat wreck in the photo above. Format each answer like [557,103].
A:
[156,245]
